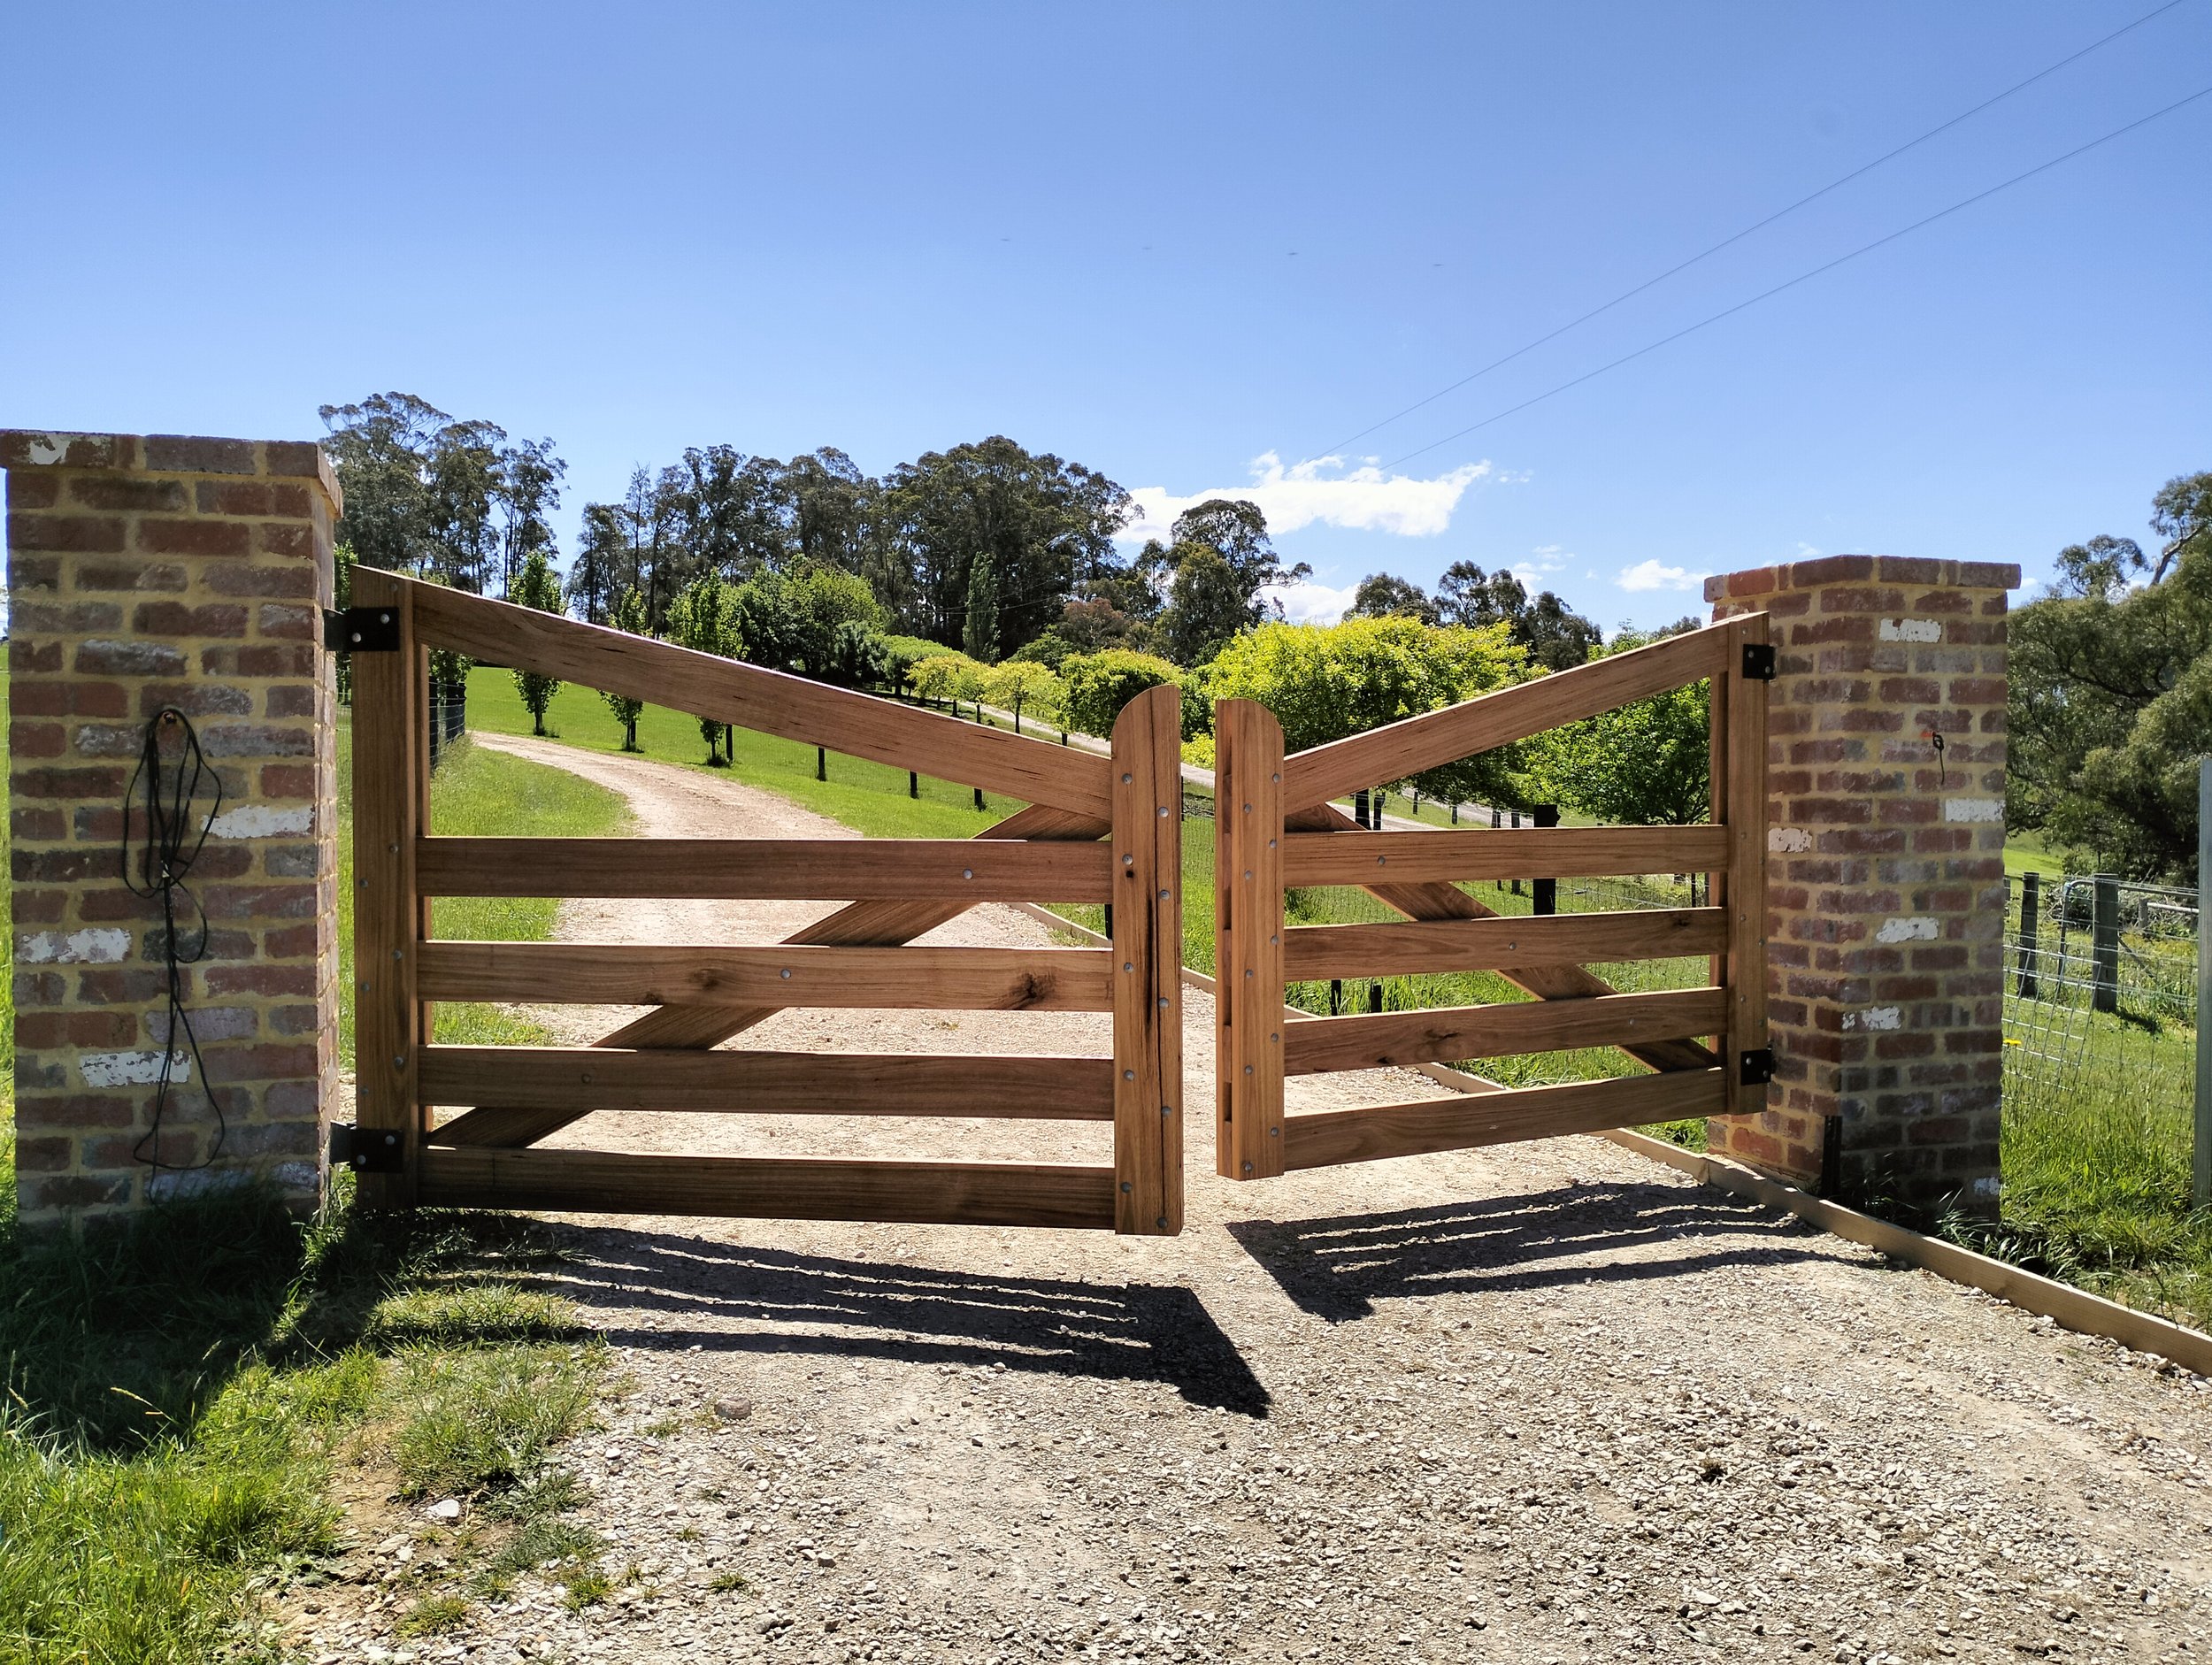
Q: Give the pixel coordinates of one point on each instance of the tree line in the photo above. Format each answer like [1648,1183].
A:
[2109,695]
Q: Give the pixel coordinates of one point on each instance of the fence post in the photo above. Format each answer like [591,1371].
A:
[1745,799]
[2104,945]
[2030,916]
[2201,1187]
[1147,949]
[390,786]
[1248,941]
[1546,890]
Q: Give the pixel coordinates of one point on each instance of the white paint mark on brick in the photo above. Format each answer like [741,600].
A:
[1917,928]
[1988,1185]
[1786,841]
[132,1069]
[1874,1018]
[1912,630]
[73,947]
[261,821]
[1973,809]
[48,447]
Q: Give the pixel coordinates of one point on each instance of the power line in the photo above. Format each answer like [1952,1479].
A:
[1630,295]
[1803,277]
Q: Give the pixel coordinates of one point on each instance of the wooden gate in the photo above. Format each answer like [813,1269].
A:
[1275,827]
[1096,830]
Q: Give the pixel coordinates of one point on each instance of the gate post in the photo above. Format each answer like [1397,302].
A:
[1147,930]
[1248,942]
[391,790]
[145,572]
[1886,900]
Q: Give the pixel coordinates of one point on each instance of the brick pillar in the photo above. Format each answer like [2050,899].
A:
[1885,884]
[145,572]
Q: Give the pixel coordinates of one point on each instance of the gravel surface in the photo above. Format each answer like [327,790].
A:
[1549,1402]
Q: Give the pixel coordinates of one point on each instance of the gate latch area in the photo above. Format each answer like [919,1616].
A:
[1755,1066]
[1758,662]
[370,1152]
[361,630]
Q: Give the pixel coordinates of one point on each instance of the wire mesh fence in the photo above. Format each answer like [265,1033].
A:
[2101,1033]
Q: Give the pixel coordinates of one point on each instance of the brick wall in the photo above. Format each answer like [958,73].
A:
[145,572]
[1885,876]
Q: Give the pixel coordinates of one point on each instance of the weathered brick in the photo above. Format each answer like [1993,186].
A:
[128,494]
[186,454]
[67,534]
[194,537]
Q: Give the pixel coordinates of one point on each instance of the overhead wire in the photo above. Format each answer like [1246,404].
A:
[1804,277]
[1729,242]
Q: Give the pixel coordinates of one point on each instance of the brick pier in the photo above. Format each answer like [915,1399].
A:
[145,572]
[1885,878]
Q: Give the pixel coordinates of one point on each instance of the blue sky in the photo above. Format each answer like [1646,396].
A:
[1191,246]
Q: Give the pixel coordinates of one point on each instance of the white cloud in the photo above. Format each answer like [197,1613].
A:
[1363,498]
[1650,575]
[1312,604]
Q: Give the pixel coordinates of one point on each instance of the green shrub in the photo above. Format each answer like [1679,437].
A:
[1100,684]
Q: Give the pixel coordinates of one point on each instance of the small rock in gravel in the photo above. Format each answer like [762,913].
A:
[445,1509]
[733,1410]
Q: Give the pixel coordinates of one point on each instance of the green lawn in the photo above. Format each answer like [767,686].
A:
[178,1393]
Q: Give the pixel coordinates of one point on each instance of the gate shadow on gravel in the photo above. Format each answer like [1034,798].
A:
[1338,1268]
[836,1308]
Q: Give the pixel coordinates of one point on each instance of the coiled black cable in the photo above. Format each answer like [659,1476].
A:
[154,866]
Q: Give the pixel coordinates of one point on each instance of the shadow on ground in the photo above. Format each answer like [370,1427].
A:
[853,1308]
[1338,1267]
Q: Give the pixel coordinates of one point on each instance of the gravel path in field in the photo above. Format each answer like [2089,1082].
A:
[1547,1403]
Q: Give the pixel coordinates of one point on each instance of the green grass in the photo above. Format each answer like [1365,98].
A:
[177,1392]
[180,1389]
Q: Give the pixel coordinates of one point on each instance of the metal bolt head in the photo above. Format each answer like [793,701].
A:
[1163,1222]
[1127,1188]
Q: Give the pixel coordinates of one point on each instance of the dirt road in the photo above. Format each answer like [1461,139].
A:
[1543,1403]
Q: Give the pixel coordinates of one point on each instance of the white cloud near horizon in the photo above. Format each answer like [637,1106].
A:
[1312,604]
[1650,575]
[1323,491]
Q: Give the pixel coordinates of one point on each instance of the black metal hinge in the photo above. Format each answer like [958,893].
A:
[371,1153]
[1758,662]
[1755,1067]
[361,630]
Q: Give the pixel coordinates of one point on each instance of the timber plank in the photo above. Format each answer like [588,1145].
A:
[783,870]
[1248,941]
[772,1188]
[1399,749]
[1448,1034]
[1380,1131]
[1010,1086]
[769,701]
[1470,853]
[1404,948]
[646,974]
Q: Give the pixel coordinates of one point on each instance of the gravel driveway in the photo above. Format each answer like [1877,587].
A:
[1549,1402]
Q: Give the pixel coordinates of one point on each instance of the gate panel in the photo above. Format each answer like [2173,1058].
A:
[704,994]
[1421,874]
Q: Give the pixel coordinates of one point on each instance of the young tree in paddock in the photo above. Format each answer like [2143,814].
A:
[700,618]
[537,585]
[629,613]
